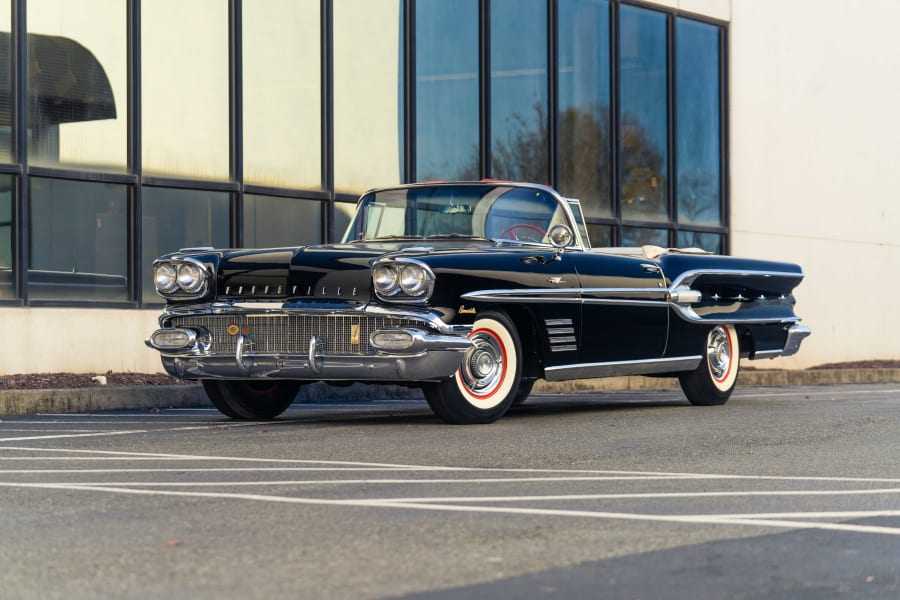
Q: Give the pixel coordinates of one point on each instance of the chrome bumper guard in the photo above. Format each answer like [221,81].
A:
[795,336]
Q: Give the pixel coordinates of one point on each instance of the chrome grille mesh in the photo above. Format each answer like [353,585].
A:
[290,334]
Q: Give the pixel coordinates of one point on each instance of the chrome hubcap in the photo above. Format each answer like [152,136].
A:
[482,371]
[718,353]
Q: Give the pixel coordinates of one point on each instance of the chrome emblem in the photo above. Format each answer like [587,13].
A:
[354,334]
[466,311]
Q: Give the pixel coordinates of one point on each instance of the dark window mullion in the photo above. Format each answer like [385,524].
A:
[326,45]
[553,91]
[671,185]
[236,118]
[19,73]
[615,127]
[724,136]
[133,70]
[409,90]
[484,48]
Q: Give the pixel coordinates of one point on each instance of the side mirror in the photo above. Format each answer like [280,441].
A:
[560,236]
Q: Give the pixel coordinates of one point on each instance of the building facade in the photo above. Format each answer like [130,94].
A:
[132,128]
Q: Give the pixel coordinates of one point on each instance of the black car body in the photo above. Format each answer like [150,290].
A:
[472,291]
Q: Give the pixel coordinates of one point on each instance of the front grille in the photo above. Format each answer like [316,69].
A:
[290,334]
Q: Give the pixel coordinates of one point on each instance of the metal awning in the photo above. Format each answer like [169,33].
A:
[66,82]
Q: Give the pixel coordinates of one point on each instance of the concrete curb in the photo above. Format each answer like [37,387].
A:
[95,399]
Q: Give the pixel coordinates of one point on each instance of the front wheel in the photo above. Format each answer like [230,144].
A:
[251,399]
[486,384]
[712,382]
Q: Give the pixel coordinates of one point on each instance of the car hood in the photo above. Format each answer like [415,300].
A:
[323,272]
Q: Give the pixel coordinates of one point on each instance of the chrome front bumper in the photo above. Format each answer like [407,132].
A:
[309,345]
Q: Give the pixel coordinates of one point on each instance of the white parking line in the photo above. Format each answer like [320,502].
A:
[456,476]
[709,519]
[70,435]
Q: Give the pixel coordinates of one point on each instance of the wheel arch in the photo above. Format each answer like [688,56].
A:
[525,323]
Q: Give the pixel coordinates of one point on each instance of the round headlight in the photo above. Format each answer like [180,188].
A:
[385,280]
[191,277]
[413,280]
[165,278]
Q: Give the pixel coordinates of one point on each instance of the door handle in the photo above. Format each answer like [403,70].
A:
[651,268]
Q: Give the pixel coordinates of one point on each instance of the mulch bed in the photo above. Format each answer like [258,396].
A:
[54,381]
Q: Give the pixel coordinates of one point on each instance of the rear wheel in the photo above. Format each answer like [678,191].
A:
[486,384]
[712,382]
[251,399]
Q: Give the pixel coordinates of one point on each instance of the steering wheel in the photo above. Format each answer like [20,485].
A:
[511,232]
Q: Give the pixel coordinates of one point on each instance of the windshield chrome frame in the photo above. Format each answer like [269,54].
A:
[565,203]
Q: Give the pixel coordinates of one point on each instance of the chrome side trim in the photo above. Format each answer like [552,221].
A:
[557,322]
[573,296]
[626,367]
[688,277]
[765,354]
[565,295]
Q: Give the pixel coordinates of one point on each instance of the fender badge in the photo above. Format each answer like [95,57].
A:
[466,311]
[555,279]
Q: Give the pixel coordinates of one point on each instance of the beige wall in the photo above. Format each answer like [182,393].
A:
[815,144]
[77,340]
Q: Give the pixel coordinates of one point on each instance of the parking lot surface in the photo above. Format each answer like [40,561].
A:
[782,492]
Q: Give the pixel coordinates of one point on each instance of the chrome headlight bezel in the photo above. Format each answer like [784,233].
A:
[165,278]
[191,278]
[402,280]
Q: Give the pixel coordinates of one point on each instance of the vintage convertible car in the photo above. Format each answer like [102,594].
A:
[471,291]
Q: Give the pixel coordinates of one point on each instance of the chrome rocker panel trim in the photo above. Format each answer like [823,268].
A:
[624,367]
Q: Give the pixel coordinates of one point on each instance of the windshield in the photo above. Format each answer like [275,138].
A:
[482,211]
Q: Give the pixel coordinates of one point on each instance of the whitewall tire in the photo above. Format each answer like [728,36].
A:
[486,384]
[713,381]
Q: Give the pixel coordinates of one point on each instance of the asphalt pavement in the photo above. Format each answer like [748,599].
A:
[790,492]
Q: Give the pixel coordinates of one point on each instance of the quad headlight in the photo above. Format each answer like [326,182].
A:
[402,280]
[180,277]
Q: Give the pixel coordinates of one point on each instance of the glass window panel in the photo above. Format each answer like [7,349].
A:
[519,142]
[270,221]
[5,85]
[174,219]
[184,88]
[282,93]
[343,214]
[711,242]
[368,94]
[77,83]
[7,227]
[584,92]
[643,113]
[601,235]
[447,113]
[79,241]
[639,236]
[697,115]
